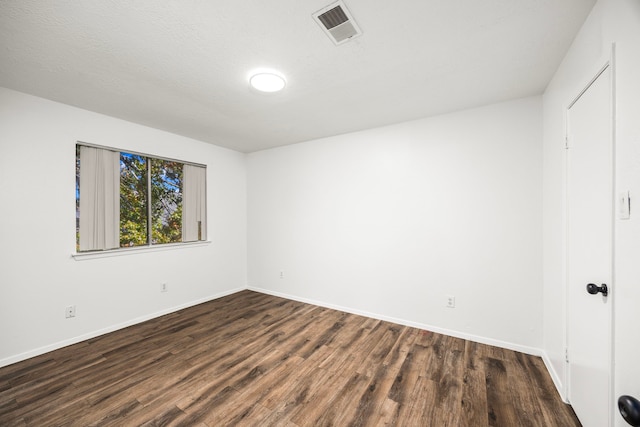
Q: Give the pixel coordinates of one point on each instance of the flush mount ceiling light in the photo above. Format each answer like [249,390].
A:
[267,81]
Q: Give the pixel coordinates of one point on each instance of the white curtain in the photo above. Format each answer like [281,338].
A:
[194,212]
[99,199]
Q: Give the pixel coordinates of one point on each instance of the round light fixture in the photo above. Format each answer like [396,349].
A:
[267,81]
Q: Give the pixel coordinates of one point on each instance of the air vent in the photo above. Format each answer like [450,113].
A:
[336,21]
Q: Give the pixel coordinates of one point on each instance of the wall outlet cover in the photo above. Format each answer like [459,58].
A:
[451,301]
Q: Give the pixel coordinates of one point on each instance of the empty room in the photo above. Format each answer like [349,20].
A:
[302,213]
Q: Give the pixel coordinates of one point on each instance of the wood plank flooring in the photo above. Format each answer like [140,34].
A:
[257,360]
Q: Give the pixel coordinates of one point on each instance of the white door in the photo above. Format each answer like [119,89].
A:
[589,252]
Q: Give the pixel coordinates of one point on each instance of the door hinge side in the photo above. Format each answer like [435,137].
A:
[566,142]
[566,354]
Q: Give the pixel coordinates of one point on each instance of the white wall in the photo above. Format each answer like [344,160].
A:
[38,277]
[389,221]
[611,21]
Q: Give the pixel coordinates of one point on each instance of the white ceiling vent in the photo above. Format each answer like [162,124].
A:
[337,22]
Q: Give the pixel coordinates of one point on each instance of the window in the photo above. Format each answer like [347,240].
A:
[126,199]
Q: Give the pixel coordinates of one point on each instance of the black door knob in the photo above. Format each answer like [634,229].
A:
[630,410]
[594,289]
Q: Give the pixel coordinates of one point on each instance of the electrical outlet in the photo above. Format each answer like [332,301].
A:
[164,287]
[451,301]
[70,311]
[281,274]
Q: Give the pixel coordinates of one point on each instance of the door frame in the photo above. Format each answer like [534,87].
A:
[606,63]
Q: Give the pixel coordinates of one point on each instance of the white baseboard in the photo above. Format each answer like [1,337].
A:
[482,340]
[55,346]
[557,381]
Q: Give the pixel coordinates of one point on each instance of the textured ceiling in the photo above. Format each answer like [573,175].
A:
[182,66]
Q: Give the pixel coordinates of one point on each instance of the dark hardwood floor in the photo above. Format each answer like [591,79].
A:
[254,359]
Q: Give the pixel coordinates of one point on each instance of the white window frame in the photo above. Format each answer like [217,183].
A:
[150,246]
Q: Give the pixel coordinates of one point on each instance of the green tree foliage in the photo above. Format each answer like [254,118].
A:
[166,200]
[133,200]
[166,197]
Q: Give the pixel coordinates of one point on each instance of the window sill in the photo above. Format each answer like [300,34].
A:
[82,256]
